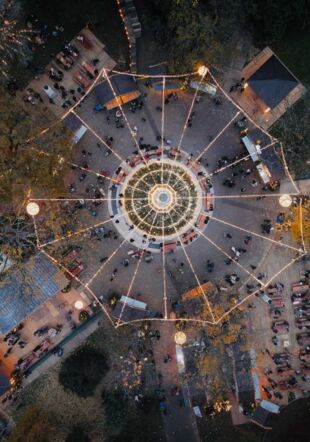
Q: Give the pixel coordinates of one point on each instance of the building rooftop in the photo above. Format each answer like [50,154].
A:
[123,85]
[25,290]
[272,82]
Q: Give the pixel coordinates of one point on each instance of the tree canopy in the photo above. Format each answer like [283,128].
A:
[82,371]
[34,425]
[36,165]
[209,31]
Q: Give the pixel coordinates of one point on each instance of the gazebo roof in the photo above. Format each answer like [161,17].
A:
[272,82]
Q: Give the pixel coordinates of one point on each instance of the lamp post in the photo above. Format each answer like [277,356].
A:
[32,208]
[202,71]
[79,305]
[180,338]
[285,200]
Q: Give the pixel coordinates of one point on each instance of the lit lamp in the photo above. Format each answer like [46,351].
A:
[285,200]
[202,70]
[32,209]
[180,338]
[78,305]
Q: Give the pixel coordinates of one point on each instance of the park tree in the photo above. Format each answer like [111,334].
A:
[83,370]
[300,224]
[190,35]
[17,237]
[34,425]
[30,161]
[293,131]
[13,38]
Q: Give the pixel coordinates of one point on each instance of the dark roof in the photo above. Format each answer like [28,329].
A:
[24,292]
[272,82]
[159,69]
[263,417]
[122,85]
[72,122]
[4,384]
[244,380]
[128,313]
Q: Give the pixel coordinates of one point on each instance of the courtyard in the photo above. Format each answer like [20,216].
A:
[154,271]
[231,238]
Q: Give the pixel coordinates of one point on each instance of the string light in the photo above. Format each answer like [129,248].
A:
[13,41]
[124,116]
[133,277]
[203,74]
[98,137]
[274,141]
[252,233]
[218,135]
[76,278]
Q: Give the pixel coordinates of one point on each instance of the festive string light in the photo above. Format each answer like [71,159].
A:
[274,141]
[13,41]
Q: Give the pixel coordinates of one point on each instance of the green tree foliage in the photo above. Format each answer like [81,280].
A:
[78,434]
[115,407]
[293,130]
[208,31]
[270,19]
[34,425]
[82,371]
[22,166]
[17,237]
[190,34]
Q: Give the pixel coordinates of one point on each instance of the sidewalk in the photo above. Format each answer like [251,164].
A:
[179,422]
[69,343]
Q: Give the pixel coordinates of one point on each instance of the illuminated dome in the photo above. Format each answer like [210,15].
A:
[162,199]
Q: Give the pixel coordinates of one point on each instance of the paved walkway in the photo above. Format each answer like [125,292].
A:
[70,343]
[179,422]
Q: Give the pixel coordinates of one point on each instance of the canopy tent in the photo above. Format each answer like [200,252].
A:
[122,90]
[157,82]
[75,125]
[272,82]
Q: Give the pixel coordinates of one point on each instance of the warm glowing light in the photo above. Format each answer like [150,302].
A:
[32,209]
[285,200]
[202,70]
[180,338]
[267,110]
[79,305]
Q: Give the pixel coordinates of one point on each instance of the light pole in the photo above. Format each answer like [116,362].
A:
[202,71]
[32,208]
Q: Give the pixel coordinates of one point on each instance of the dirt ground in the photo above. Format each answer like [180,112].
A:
[124,348]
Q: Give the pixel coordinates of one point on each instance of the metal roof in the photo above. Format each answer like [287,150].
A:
[25,290]
[72,122]
[272,82]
